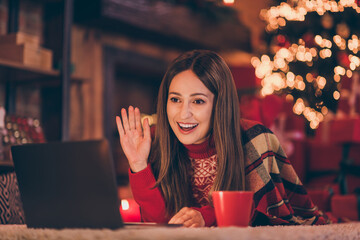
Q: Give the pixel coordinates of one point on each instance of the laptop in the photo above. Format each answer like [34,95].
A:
[68,185]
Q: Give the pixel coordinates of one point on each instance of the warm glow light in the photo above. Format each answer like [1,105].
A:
[130,210]
[289,98]
[337,78]
[229,2]
[299,78]
[275,72]
[325,53]
[320,116]
[265,58]
[337,39]
[290,76]
[281,22]
[318,40]
[309,77]
[279,63]
[264,68]
[353,44]
[321,81]
[255,61]
[299,106]
[297,10]
[339,70]
[300,85]
[355,60]
[349,73]
[308,57]
[267,91]
[125,204]
[324,110]
[352,66]
[314,124]
[283,53]
[313,52]
[327,44]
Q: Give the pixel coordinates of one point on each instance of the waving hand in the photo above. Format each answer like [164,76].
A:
[135,140]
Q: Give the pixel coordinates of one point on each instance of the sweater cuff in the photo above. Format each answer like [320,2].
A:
[208,214]
[143,179]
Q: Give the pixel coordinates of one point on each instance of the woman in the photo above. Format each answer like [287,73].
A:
[201,145]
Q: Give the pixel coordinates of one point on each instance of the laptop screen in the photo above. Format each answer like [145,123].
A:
[67,184]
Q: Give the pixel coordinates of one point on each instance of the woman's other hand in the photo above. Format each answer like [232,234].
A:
[135,140]
[188,217]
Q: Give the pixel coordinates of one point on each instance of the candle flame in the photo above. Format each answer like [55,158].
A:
[125,204]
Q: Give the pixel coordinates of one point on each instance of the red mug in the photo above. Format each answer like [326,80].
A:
[232,208]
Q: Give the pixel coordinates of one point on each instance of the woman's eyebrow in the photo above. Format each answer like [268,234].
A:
[196,94]
[192,95]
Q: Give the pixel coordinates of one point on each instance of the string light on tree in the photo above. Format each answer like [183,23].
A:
[312,46]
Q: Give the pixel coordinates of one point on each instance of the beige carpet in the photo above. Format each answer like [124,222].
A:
[334,231]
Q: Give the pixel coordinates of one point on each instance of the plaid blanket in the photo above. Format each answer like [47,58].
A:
[280,197]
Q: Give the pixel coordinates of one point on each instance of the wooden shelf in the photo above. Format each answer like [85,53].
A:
[22,73]
[19,66]
[6,165]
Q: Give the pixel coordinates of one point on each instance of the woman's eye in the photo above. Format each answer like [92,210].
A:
[175,100]
[199,101]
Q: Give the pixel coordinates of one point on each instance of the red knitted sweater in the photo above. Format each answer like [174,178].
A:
[204,165]
[203,160]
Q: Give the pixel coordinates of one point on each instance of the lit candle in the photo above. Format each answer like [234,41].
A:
[130,210]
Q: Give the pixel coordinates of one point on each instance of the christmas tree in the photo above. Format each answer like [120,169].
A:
[313,46]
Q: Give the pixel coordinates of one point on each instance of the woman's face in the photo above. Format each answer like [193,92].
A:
[189,108]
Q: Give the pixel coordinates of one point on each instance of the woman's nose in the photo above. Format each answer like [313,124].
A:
[185,111]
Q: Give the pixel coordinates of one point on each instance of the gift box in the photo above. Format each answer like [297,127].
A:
[323,157]
[244,77]
[318,180]
[349,103]
[321,198]
[250,108]
[343,103]
[297,158]
[269,109]
[351,183]
[345,206]
[345,130]
[322,133]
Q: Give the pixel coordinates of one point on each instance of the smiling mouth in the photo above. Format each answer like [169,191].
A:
[187,127]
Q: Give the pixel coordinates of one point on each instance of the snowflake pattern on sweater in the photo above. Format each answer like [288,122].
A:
[202,178]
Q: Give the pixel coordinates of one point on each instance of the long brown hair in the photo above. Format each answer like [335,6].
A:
[169,157]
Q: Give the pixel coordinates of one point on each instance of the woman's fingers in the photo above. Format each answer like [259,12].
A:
[188,217]
[180,217]
[138,120]
[146,127]
[125,120]
[119,126]
[131,118]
